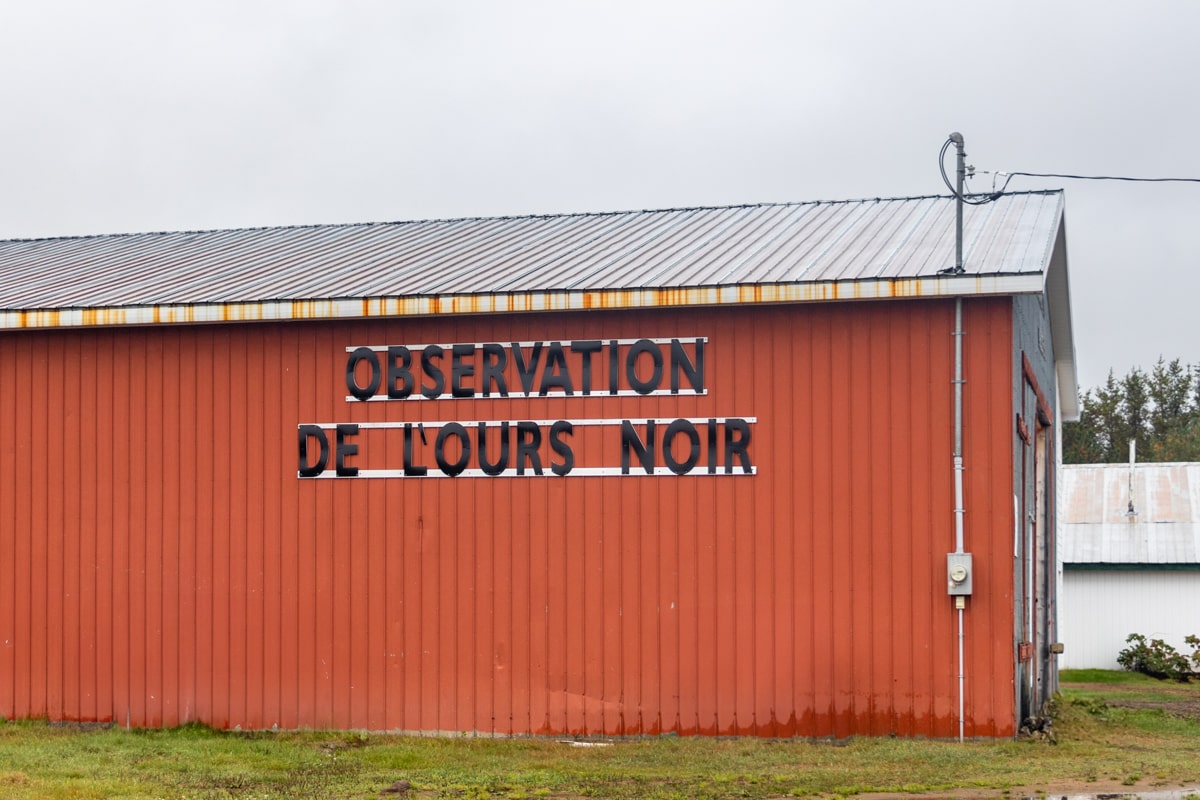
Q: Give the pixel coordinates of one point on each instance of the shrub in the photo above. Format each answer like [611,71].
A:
[1194,643]
[1157,659]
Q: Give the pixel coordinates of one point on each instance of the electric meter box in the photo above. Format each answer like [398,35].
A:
[958,573]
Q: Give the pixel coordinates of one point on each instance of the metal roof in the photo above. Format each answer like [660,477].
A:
[862,242]
[767,253]
[1096,527]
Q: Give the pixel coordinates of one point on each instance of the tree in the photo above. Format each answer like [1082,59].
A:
[1174,419]
[1160,410]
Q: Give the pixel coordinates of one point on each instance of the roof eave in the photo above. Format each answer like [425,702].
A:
[1058,293]
[518,302]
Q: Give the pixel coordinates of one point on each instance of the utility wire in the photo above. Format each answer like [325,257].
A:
[1008,176]
[979,199]
[971,200]
[1096,177]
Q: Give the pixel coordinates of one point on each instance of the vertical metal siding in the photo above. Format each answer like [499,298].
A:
[164,563]
[1100,608]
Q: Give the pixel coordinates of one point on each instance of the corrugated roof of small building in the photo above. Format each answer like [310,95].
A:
[1097,528]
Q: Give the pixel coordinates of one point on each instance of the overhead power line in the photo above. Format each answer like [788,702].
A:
[1008,176]
[982,198]
[1094,177]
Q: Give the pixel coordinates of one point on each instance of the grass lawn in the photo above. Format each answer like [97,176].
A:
[1113,730]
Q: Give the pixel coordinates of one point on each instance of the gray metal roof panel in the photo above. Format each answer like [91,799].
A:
[1096,527]
[737,245]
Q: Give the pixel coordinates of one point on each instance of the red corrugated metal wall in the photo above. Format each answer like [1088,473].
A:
[162,561]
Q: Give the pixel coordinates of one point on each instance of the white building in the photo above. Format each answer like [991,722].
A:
[1130,553]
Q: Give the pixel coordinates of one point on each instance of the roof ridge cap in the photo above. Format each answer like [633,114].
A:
[502,217]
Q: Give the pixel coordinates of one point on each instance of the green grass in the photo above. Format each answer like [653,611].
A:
[1098,743]
[1106,676]
[1118,687]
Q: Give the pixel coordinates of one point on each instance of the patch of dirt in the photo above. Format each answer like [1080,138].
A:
[79,727]
[1099,790]
[1185,702]
[1181,708]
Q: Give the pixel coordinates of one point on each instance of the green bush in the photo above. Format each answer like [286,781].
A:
[1194,643]
[1158,659]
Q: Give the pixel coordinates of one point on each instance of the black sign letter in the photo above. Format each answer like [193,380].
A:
[313,432]
[368,355]
[399,375]
[345,449]
[562,448]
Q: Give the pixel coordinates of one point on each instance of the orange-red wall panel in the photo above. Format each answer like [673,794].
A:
[164,562]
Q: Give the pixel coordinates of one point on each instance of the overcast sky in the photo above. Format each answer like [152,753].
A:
[137,116]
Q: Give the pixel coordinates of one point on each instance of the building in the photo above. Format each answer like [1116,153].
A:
[1131,558]
[683,471]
